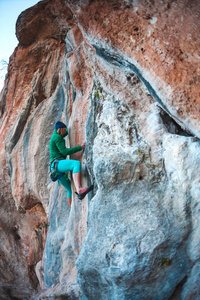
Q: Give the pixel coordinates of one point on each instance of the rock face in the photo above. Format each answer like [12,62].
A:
[124,76]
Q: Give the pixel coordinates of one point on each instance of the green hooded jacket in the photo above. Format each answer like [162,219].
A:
[57,147]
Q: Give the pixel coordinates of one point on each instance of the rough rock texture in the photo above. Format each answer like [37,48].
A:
[124,76]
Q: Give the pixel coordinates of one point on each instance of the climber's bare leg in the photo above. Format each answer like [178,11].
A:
[77,181]
[69,202]
[82,192]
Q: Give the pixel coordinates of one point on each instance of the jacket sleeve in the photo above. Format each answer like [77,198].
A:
[60,143]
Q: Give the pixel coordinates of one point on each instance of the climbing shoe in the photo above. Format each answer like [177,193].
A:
[84,192]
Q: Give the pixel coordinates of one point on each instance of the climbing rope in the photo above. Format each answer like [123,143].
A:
[53,206]
[48,225]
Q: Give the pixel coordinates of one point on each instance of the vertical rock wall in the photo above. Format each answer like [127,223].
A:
[124,77]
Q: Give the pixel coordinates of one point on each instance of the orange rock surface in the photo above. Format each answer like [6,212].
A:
[161,39]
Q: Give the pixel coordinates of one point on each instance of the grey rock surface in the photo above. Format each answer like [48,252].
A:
[139,214]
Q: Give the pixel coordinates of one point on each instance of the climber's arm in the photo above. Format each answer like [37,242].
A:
[60,143]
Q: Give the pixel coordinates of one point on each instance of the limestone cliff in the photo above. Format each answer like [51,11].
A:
[124,76]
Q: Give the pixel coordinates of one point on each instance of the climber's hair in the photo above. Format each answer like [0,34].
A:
[59,130]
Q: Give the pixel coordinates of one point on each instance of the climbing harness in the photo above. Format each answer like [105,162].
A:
[53,170]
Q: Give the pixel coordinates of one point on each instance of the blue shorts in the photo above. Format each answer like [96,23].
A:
[66,165]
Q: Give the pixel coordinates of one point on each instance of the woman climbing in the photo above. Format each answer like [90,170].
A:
[59,163]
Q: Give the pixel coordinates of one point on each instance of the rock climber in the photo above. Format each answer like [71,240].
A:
[59,163]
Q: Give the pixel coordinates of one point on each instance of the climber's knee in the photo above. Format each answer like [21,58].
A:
[77,166]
